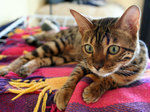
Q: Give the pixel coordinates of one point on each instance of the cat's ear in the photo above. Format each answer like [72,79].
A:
[83,22]
[130,20]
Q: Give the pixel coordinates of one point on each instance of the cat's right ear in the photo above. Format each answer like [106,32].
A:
[83,22]
[130,20]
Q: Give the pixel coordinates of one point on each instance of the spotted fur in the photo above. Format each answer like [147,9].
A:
[92,44]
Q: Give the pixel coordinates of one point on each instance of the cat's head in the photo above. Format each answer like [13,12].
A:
[109,43]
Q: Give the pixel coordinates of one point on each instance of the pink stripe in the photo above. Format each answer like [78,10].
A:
[17,50]
[53,71]
[121,95]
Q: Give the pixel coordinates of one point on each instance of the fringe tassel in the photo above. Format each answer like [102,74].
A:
[43,93]
[28,90]
[21,87]
[27,86]
[44,102]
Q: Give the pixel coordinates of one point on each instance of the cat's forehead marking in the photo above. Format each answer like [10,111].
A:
[115,40]
[102,31]
[105,36]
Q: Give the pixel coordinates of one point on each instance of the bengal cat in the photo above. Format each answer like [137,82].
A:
[108,48]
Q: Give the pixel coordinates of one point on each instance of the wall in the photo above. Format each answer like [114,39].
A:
[127,3]
[12,9]
[33,5]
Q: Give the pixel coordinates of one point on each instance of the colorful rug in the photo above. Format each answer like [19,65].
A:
[132,98]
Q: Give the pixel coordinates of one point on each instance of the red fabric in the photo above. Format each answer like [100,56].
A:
[139,93]
[135,97]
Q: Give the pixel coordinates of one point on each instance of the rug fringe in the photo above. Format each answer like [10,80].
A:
[28,86]
[43,86]
[41,95]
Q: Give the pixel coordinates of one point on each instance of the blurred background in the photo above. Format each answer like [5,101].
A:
[12,9]
[59,9]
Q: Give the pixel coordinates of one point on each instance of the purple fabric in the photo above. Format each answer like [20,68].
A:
[125,107]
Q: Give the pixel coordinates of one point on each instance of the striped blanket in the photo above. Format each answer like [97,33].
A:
[132,98]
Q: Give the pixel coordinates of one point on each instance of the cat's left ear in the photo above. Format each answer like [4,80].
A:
[130,20]
[83,22]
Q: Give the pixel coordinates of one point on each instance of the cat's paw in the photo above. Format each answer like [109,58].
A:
[24,71]
[30,40]
[4,71]
[91,94]
[62,98]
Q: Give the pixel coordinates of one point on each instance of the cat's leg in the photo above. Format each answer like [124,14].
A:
[97,88]
[39,39]
[64,94]
[101,84]
[14,66]
[32,65]
[51,48]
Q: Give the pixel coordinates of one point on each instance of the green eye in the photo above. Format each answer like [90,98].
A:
[114,49]
[88,48]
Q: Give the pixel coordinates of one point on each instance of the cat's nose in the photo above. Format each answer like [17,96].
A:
[98,65]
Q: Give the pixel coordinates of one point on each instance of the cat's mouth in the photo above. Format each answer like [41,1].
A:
[100,72]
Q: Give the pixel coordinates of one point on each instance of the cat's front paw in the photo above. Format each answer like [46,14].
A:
[91,94]
[62,98]
[4,71]
[30,40]
[24,71]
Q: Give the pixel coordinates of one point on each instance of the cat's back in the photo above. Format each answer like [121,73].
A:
[70,32]
[143,51]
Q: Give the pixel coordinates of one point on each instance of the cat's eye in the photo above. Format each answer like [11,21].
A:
[88,48]
[113,49]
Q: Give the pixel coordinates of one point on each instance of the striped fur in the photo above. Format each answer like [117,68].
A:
[110,70]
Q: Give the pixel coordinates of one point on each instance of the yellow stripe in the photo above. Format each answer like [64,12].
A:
[2,66]
[56,83]
[2,57]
